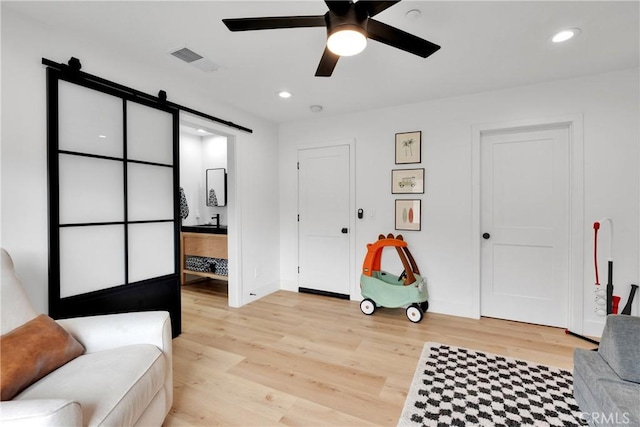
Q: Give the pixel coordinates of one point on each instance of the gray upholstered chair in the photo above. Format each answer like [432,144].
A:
[606,383]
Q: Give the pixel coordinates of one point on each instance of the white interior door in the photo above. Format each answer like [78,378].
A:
[525,226]
[323,223]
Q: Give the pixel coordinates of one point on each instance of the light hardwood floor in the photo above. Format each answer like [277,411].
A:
[307,360]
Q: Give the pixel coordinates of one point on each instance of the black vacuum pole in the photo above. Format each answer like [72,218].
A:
[610,288]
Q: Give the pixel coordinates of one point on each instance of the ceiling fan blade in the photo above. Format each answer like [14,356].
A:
[274,22]
[374,7]
[339,7]
[392,36]
[327,63]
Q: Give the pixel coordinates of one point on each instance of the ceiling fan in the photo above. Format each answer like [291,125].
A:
[348,26]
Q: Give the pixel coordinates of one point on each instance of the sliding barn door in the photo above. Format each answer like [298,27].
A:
[113,181]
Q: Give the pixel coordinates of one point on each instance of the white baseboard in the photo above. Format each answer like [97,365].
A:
[289,285]
[593,328]
[259,292]
[452,308]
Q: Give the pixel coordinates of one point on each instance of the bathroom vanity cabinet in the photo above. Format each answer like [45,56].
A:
[202,244]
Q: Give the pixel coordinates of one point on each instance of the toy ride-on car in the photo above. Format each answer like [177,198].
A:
[382,289]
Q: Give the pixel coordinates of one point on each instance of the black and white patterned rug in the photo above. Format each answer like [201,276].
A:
[455,386]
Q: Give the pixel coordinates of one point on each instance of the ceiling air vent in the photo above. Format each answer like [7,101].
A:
[198,61]
[186,54]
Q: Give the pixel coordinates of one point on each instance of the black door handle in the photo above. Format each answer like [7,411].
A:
[486,236]
[345,230]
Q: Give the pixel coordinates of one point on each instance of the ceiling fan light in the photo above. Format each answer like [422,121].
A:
[347,42]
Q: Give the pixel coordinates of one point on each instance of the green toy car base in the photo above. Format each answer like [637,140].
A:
[382,289]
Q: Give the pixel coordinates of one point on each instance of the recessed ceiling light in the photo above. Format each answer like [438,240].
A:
[201,131]
[413,14]
[564,35]
[315,108]
[284,94]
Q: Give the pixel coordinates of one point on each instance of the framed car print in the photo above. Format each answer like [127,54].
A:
[407,181]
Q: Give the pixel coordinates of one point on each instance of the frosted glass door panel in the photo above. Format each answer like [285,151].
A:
[91,190]
[91,258]
[149,134]
[89,121]
[151,250]
[150,192]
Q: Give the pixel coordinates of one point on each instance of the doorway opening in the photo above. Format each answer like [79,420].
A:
[209,229]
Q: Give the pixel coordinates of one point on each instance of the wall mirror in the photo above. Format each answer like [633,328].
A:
[216,187]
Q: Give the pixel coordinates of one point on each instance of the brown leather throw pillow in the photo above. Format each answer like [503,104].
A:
[31,351]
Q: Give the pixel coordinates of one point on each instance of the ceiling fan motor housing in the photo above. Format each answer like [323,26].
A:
[353,18]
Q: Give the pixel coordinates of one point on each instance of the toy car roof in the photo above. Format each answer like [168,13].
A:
[372,260]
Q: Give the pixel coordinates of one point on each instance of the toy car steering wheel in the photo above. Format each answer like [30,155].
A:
[403,275]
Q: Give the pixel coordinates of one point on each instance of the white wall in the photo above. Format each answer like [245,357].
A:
[214,156]
[24,148]
[191,175]
[197,154]
[609,104]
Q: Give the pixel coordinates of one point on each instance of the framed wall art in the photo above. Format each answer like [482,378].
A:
[408,147]
[408,214]
[407,181]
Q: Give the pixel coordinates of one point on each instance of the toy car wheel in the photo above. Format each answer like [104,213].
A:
[414,313]
[424,306]
[367,306]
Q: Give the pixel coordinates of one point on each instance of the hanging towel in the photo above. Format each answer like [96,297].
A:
[213,200]
[184,208]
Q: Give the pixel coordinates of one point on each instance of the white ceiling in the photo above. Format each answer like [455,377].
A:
[485,46]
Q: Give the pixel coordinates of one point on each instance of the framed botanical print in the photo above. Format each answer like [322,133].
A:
[408,147]
[407,181]
[408,214]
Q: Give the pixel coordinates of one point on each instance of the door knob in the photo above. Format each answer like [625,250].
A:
[345,230]
[486,236]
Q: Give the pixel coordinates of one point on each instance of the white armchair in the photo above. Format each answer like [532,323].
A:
[124,377]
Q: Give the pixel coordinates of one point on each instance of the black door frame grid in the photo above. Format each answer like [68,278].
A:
[158,293]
